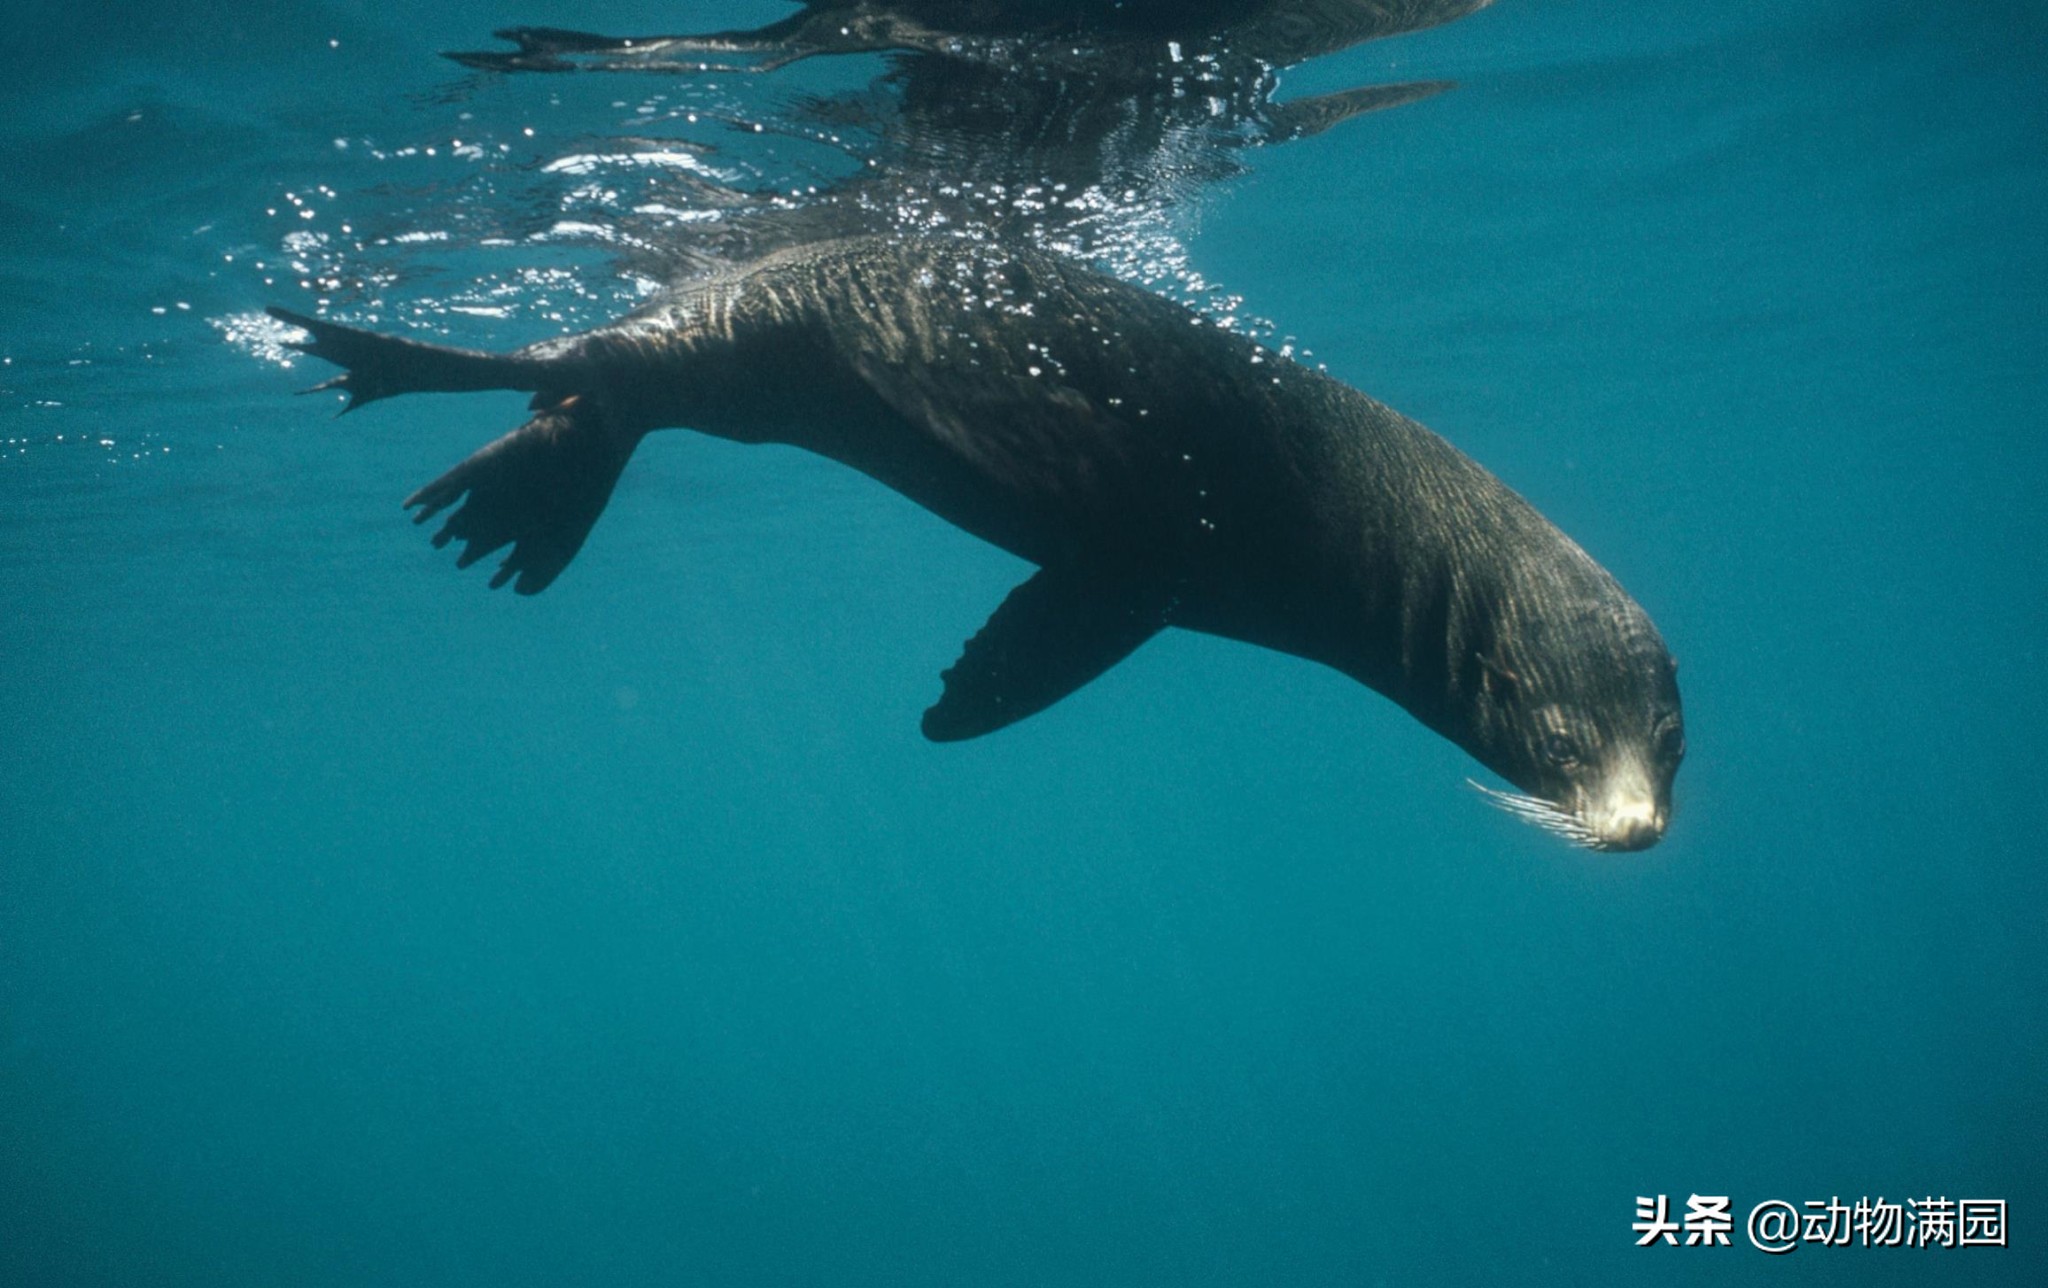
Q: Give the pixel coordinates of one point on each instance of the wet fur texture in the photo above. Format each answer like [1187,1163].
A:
[1160,471]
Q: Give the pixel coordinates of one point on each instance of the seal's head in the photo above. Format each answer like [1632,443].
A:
[1580,710]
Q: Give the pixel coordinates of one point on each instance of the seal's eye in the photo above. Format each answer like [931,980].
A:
[1671,742]
[1561,751]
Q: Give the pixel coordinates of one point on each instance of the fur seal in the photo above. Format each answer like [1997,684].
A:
[1160,471]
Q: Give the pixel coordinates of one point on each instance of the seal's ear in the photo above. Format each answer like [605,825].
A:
[1496,678]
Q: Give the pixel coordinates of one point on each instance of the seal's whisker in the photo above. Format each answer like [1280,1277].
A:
[1551,818]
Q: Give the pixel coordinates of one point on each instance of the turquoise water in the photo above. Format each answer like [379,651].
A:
[361,926]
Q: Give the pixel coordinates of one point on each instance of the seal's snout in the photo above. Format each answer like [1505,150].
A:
[1628,822]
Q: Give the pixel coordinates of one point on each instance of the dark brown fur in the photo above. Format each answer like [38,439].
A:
[1159,470]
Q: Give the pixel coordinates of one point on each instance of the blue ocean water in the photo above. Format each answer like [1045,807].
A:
[361,926]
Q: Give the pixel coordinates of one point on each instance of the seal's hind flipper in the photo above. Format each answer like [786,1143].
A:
[559,49]
[541,49]
[380,366]
[538,489]
[1054,633]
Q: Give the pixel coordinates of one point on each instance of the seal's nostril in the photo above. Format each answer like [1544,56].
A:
[1635,833]
[1631,824]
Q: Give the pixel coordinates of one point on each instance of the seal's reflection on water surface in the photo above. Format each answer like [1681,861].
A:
[1078,126]
[1008,33]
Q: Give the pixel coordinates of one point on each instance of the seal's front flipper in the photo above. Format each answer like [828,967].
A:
[538,489]
[1054,633]
[379,366]
[1303,118]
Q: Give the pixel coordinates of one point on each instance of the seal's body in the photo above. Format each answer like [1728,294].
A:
[1160,471]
